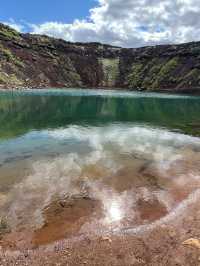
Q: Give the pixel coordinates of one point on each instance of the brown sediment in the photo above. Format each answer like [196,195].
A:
[64,219]
[94,172]
[131,177]
[151,210]
[13,172]
[163,246]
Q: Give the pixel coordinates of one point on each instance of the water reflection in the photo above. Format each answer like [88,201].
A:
[19,114]
[68,162]
[115,212]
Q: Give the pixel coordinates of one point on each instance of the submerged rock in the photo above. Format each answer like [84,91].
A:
[193,242]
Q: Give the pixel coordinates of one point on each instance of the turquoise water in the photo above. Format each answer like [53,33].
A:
[58,143]
[22,112]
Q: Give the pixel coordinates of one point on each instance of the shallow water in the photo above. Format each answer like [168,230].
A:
[90,160]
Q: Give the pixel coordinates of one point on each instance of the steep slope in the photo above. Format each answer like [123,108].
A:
[39,61]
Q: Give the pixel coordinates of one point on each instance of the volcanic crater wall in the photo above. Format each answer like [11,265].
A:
[39,61]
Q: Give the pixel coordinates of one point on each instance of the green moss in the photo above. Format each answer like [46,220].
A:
[135,76]
[194,73]
[191,79]
[4,227]
[3,78]
[168,68]
[74,77]
[9,79]
[166,73]
[110,69]
[43,39]
[9,33]
[15,80]
[151,75]
[155,85]
[173,79]
[10,57]
[155,69]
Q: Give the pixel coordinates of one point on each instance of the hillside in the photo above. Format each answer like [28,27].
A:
[39,61]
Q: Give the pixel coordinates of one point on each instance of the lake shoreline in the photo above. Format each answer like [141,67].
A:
[163,245]
[190,92]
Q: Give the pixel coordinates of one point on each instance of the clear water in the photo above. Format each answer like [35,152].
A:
[136,154]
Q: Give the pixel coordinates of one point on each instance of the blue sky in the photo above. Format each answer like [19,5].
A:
[127,23]
[40,11]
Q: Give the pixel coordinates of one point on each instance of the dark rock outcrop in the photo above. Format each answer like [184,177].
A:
[39,61]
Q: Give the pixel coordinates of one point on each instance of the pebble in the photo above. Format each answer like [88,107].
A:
[193,242]
[106,238]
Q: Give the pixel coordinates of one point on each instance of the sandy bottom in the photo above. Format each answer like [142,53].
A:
[77,230]
[104,208]
[160,246]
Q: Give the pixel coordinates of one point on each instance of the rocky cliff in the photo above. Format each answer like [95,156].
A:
[39,61]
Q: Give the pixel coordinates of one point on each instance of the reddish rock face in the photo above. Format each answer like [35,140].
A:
[39,61]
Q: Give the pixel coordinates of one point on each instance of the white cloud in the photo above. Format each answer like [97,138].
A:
[132,23]
[16,26]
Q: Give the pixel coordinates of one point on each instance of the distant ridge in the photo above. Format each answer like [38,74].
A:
[37,61]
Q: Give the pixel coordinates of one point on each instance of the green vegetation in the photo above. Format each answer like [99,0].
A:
[135,77]
[155,69]
[43,39]
[74,77]
[3,78]
[110,69]
[10,57]
[194,73]
[166,73]
[168,68]
[9,79]
[192,78]
[4,227]
[151,76]
[9,33]
[42,61]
